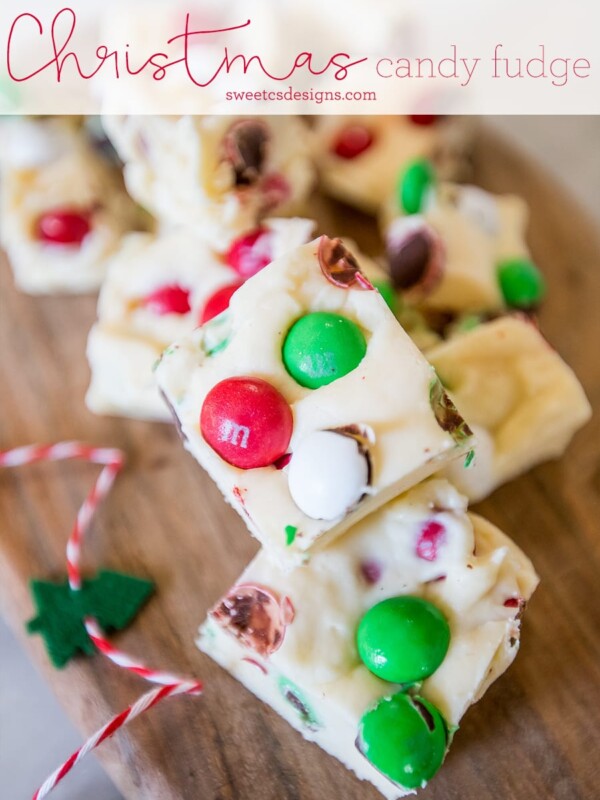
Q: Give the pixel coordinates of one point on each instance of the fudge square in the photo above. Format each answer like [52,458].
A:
[307,403]
[523,402]
[216,173]
[358,157]
[376,648]
[63,205]
[457,248]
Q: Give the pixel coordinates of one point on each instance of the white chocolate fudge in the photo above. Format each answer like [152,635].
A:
[291,638]
[521,399]
[446,257]
[158,289]
[359,157]
[308,351]
[63,206]
[28,142]
[219,174]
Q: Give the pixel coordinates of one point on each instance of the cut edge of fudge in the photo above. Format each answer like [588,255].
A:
[297,712]
[116,386]
[542,420]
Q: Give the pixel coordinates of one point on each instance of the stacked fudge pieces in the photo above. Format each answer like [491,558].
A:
[469,292]
[348,409]
[378,608]
[218,187]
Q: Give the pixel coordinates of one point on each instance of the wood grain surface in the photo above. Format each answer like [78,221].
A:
[536,734]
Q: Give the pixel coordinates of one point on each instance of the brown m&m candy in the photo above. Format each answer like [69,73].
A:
[416,255]
[245,147]
[247,422]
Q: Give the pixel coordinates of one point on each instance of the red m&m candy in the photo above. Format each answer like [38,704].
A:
[63,226]
[424,119]
[172,299]
[250,253]
[247,422]
[352,141]
[218,301]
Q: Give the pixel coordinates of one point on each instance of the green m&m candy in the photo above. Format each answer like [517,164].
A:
[414,182]
[321,347]
[521,283]
[403,639]
[405,738]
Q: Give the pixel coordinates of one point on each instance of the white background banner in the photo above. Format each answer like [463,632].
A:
[275,56]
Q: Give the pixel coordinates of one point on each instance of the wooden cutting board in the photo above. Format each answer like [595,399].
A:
[537,731]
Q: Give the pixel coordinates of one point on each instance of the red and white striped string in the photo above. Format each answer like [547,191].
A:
[170,685]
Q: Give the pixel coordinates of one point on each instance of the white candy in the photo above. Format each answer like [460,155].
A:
[402,228]
[327,475]
[481,207]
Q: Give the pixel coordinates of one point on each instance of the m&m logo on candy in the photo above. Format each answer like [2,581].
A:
[247,422]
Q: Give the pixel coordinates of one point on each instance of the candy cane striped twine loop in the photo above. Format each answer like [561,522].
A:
[170,685]
[145,702]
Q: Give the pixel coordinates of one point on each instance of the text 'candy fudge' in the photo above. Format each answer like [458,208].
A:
[218,174]
[159,288]
[523,402]
[377,647]
[457,249]
[307,403]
